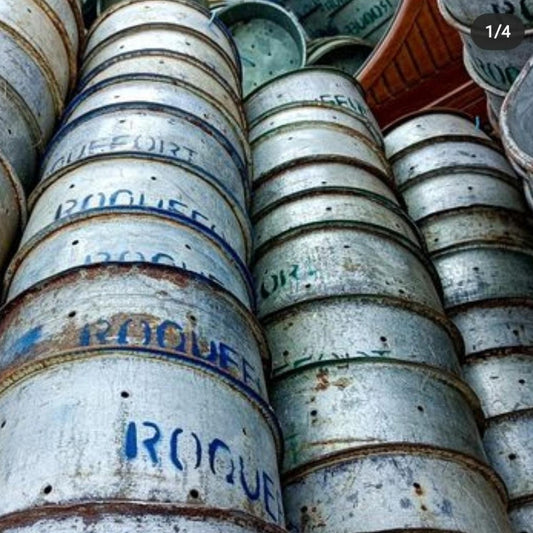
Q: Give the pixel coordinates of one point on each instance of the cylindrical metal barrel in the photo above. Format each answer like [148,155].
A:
[467,11]
[342,52]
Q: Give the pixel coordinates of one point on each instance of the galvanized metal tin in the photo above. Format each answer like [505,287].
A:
[410,489]
[139,183]
[477,272]
[342,52]
[311,84]
[319,331]
[102,5]
[106,235]
[498,326]
[269,39]
[148,134]
[360,210]
[319,262]
[318,177]
[165,38]
[183,69]
[120,517]
[521,516]
[163,432]
[290,145]
[467,11]
[509,447]
[158,312]
[396,405]
[460,189]
[502,382]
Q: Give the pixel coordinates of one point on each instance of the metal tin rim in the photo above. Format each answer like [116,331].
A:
[477,79]
[342,42]
[217,241]
[17,189]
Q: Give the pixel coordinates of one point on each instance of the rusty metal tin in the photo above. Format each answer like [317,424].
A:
[396,405]
[296,144]
[311,84]
[319,331]
[156,311]
[320,262]
[119,235]
[318,177]
[139,183]
[333,208]
[149,134]
[413,489]
[163,432]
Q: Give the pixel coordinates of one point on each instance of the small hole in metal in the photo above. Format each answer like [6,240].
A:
[125,394]
[194,494]
[72,314]
[47,489]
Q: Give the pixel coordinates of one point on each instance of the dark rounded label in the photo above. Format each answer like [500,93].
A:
[497,32]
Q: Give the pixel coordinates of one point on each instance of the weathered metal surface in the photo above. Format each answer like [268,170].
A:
[102,5]
[300,143]
[311,84]
[336,208]
[466,11]
[148,134]
[319,176]
[162,38]
[477,272]
[187,70]
[509,446]
[528,193]
[291,114]
[502,383]
[144,184]
[120,517]
[443,157]
[486,225]
[330,409]
[106,235]
[387,328]
[521,516]
[155,311]
[325,261]
[429,126]
[455,189]
[128,16]
[497,326]
[270,40]
[410,491]
[344,52]
[163,93]
[164,432]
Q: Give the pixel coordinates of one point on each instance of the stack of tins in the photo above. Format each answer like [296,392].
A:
[132,364]
[467,201]
[39,43]
[493,70]
[380,432]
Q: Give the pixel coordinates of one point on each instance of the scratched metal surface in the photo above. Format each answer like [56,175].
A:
[411,490]
[188,70]
[159,312]
[309,112]
[315,177]
[335,408]
[135,518]
[143,184]
[147,134]
[319,263]
[296,144]
[440,192]
[466,11]
[509,447]
[477,272]
[487,225]
[315,210]
[180,41]
[151,90]
[163,432]
[106,235]
[311,84]
[522,517]
[387,328]
[498,326]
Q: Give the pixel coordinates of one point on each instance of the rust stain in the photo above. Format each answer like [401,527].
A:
[322,380]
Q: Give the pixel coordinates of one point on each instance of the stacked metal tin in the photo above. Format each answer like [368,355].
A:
[380,432]
[467,201]
[39,48]
[132,387]
[493,70]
